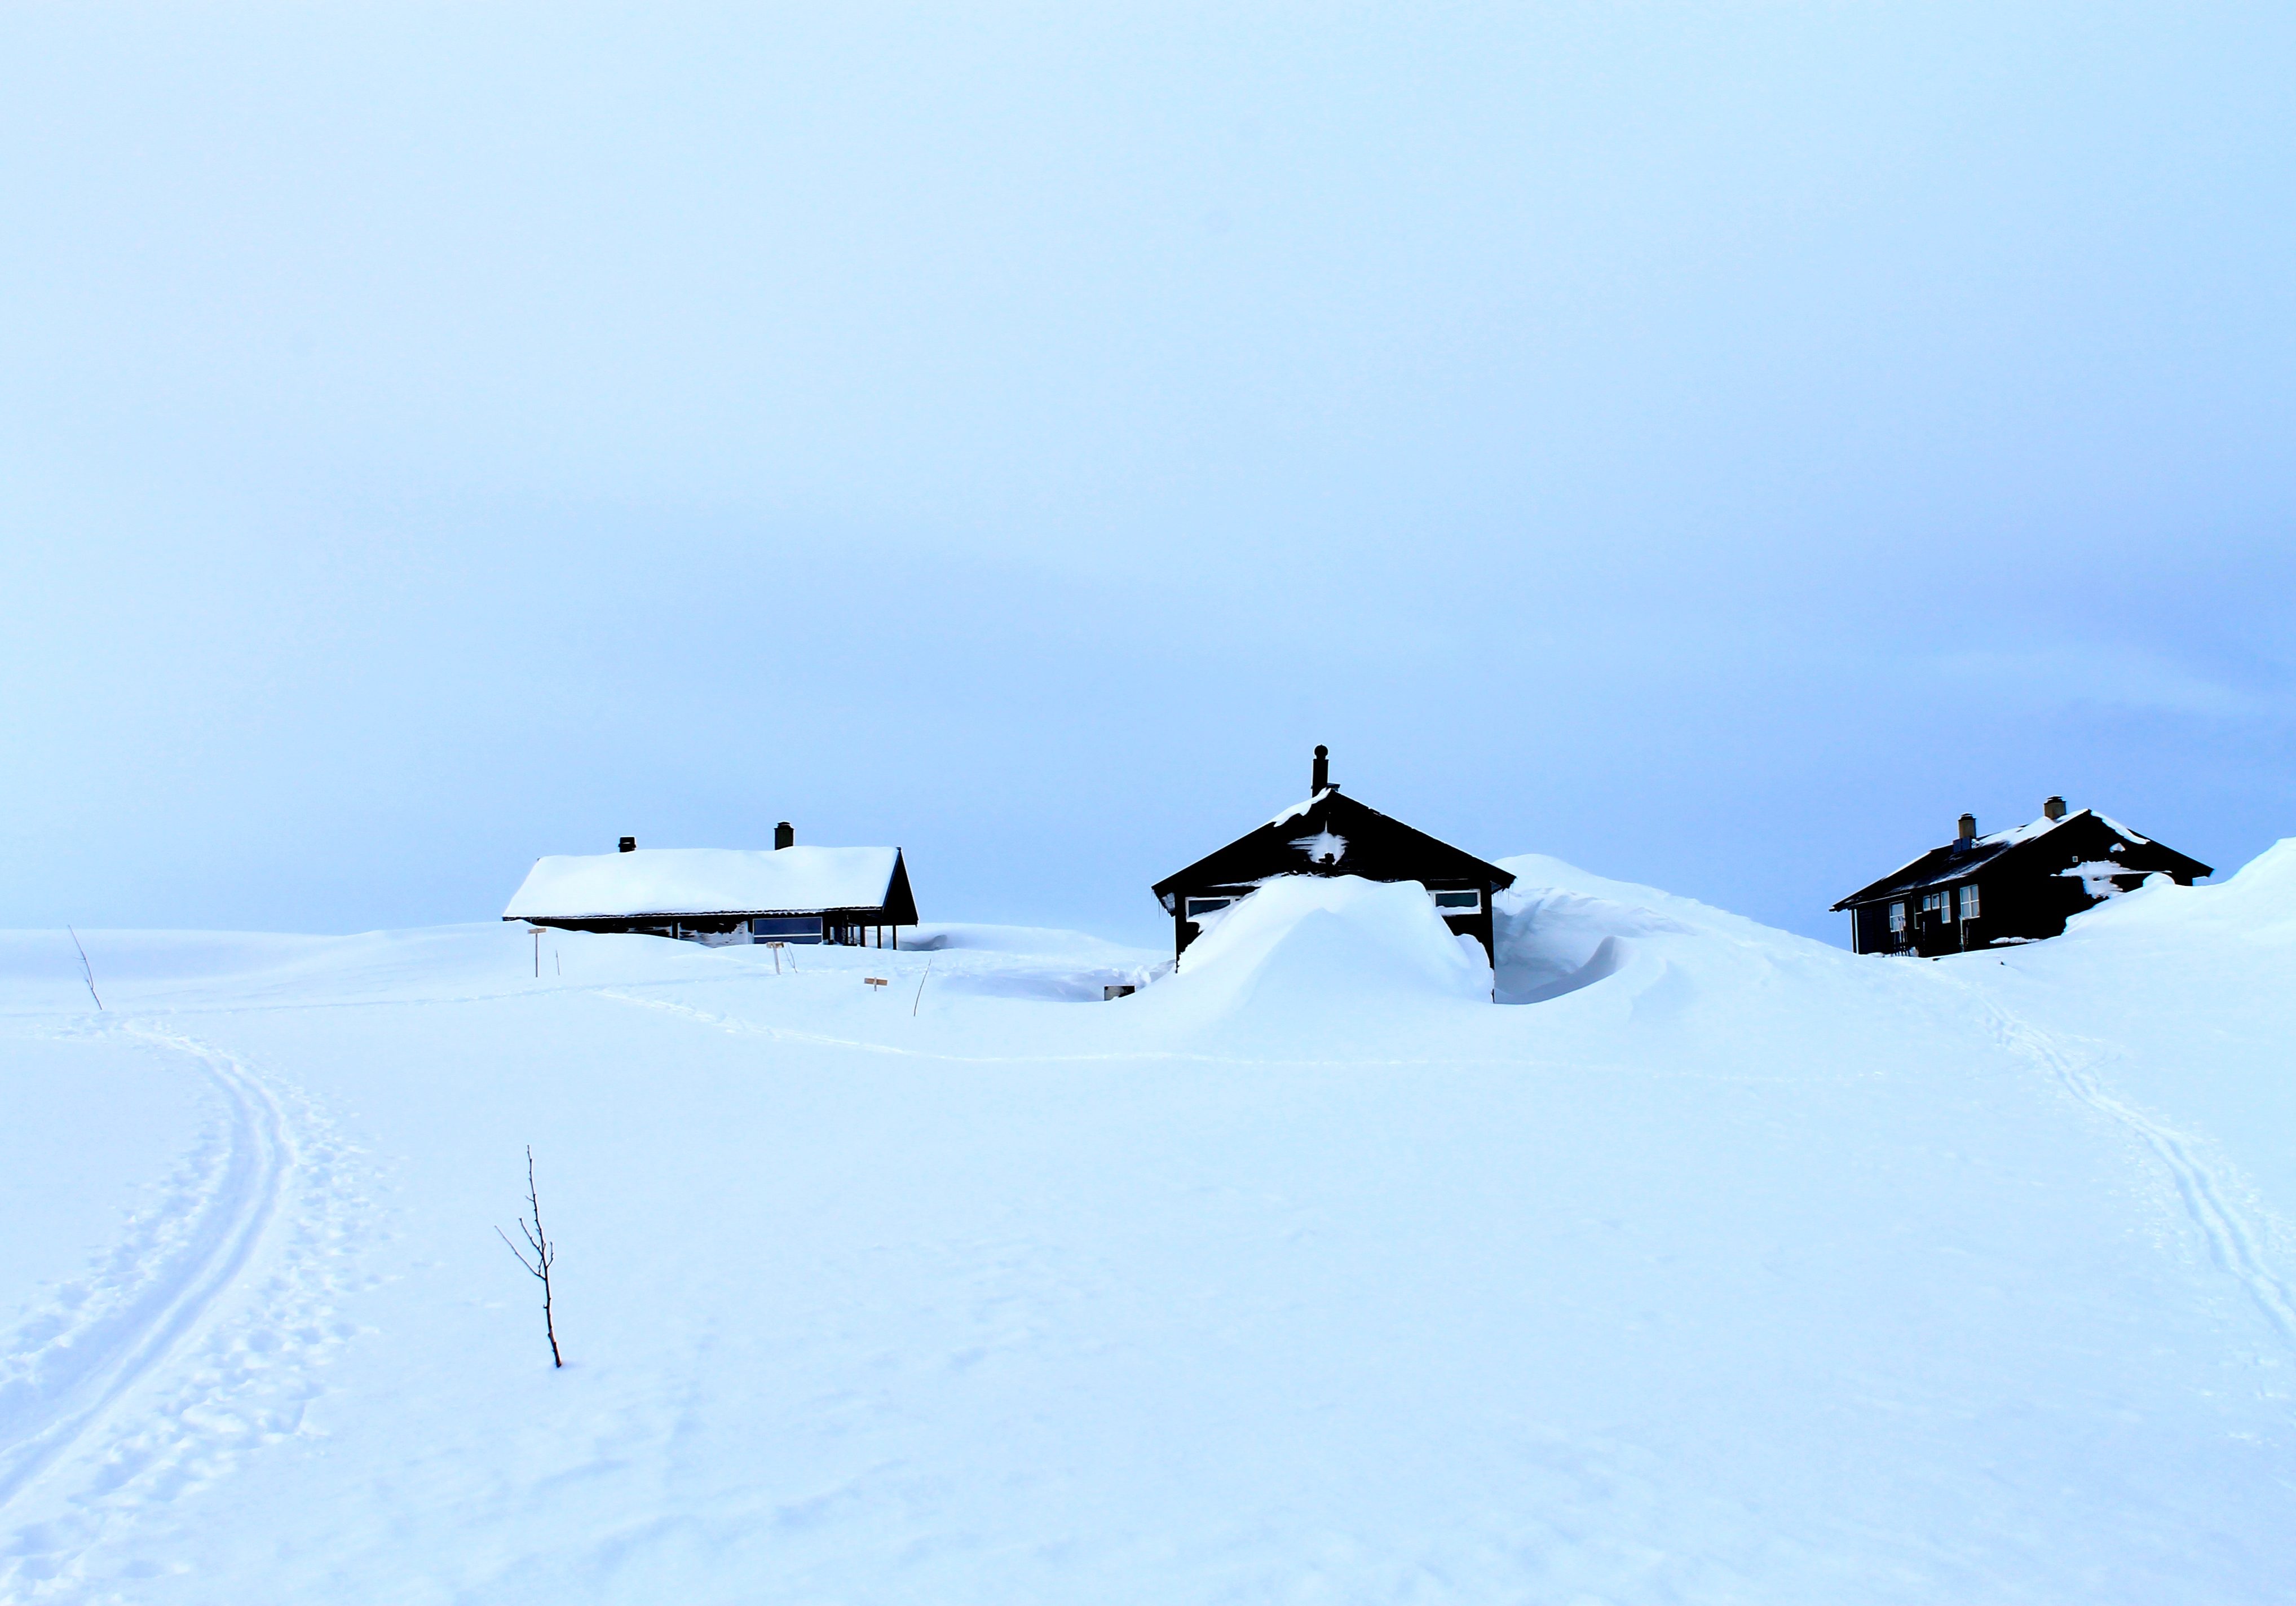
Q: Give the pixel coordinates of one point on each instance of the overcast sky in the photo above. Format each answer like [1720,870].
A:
[1714,445]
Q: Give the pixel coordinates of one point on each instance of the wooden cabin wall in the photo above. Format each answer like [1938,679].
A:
[1481,926]
[2032,906]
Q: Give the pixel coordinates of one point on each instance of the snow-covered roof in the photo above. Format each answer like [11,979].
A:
[2034,829]
[1297,809]
[1957,864]
[704,880]
[1943,866]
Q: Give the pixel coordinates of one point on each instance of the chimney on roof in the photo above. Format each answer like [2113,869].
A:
[1968,830]
[1323,773]
[2054,808]
[783,836]
[629,844]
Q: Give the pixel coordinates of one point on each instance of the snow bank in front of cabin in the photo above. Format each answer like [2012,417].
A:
[1325,944]
[2256,904]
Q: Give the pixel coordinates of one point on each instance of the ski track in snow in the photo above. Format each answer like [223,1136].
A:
[2234,1243]
[211,1311]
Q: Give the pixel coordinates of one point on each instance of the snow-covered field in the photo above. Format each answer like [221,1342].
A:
[1729,1267]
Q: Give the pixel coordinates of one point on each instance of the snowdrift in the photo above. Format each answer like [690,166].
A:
[1319,946]
[1724,1267]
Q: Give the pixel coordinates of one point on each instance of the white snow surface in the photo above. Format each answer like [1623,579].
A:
[703,881]
[1725,1267]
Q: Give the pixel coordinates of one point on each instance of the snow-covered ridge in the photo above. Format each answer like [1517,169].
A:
[1302,807]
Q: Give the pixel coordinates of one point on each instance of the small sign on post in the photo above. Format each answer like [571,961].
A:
[878,982]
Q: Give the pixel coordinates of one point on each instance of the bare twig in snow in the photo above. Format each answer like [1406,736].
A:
[920,998]
[544,1254]
[86,968]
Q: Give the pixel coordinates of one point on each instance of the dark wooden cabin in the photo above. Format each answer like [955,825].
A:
[1332,834]
[723,895]
[2011,887]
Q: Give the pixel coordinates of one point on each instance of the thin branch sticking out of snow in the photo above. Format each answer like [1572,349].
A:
[545,1255]
[86,968]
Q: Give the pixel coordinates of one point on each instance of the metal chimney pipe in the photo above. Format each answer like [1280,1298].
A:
[1323,772]
[629,844]
[1968,830]
[2054,808]
[783,836]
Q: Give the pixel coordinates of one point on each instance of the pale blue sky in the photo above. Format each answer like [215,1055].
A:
[1714,445]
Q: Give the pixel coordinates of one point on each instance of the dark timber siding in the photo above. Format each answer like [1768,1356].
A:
[2025,893]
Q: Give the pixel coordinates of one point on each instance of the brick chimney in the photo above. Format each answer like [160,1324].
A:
[783,836]
[1323,770]
[629,844]
[1968,830]
[2054,808]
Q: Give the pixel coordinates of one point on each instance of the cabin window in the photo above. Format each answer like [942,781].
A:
[1933,903]
[1969,903]
[797,928]
[1199,908]
[1459,902]
[1897,917]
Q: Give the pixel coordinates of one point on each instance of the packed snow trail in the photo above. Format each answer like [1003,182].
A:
[172,1361]
[57,1393]
[2237,1245]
